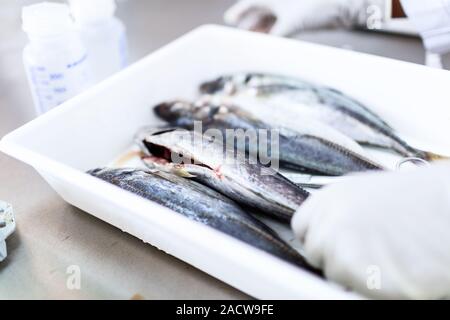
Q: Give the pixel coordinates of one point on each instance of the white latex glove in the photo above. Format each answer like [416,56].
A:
[385,235]
[7,226]
[432,20]
[295,15]
[433,60]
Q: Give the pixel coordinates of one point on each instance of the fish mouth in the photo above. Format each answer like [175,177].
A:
[171,111]
[158,152]
[162,155]
[95,171]
[211,87]
[163,110]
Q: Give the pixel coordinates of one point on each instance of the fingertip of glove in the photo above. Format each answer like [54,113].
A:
[300,220]
[233,14]
[281,29]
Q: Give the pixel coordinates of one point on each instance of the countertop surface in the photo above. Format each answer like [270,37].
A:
[51,235]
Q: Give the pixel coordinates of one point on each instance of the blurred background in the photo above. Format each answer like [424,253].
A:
[151,24]
[51,234]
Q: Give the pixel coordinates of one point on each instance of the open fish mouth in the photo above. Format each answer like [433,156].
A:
[192,155]
[162,156]
[211,87]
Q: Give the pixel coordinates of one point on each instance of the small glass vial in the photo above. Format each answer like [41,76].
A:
[55,59]
[103,35]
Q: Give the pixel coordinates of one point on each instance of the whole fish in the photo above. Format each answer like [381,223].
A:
[206,160]
[295,99]
[304,125]
[201,204]
[302,151]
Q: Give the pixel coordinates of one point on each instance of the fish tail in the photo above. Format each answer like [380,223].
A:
[425,155]
[405,150]
[430,156]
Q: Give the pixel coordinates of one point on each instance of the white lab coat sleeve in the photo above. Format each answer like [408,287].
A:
[432,20]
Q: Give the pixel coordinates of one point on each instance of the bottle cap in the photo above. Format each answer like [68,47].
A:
[92,11]
[46,19]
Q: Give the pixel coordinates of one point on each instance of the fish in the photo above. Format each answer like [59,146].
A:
[205,159]
[203,205]
[267,83]
[301,151]
[304,125]
[295,98]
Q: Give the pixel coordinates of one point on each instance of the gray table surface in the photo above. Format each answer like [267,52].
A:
[53,235]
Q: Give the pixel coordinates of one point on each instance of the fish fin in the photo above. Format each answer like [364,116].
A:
[182,171]
[426,155]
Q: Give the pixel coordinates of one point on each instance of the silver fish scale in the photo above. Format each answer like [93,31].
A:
[235,179]
[202,205]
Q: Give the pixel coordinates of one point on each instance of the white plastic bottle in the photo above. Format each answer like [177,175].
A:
[103,35]
[55,58]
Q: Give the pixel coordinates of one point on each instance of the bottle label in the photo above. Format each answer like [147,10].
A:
[52,86]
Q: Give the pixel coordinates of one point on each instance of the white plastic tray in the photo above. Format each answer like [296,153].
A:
[95,127]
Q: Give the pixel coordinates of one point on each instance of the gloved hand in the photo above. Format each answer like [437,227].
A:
[385,235]
[432,20]
[295,15]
